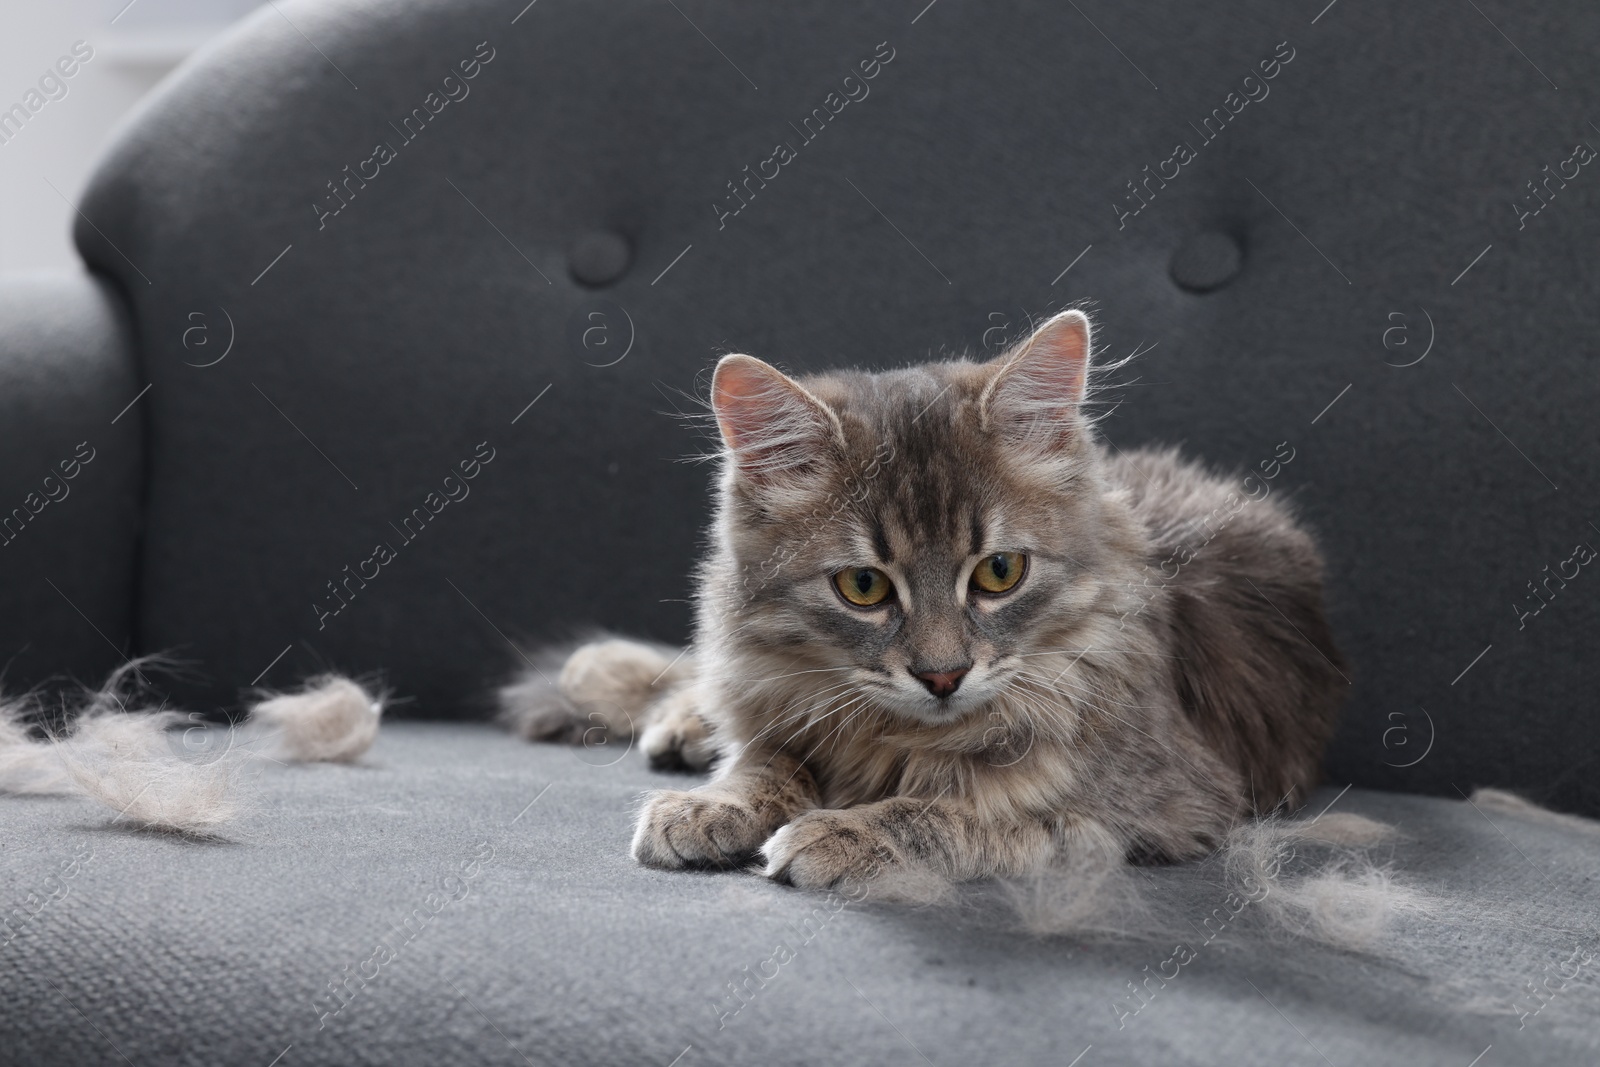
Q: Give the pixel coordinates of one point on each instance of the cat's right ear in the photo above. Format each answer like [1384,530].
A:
[772,425]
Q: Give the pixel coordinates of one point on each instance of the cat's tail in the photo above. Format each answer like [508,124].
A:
[612,689]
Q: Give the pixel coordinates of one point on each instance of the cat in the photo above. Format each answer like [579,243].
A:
[927,638]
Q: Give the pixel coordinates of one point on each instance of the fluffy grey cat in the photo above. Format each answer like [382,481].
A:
[941,628]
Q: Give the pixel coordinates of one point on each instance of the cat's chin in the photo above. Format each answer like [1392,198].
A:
[935,711]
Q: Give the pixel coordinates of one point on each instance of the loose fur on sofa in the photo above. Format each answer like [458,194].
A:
[120,753]
[125,762]
[331,719]
[124,755]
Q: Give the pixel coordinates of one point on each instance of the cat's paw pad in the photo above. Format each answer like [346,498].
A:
[680,739]
[827,849]
[678,829]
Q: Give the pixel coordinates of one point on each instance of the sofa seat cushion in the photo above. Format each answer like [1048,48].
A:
[473,900]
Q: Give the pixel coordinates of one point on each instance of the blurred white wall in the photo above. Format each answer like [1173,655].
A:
[134,46]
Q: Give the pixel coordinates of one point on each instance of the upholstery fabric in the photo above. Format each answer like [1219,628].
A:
[394,244]
[531,928]
[71,482]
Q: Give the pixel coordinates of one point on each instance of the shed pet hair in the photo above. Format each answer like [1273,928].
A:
[1277,883]
[1342,897]
[30,761]
[124,755]
[120,755]
[26,766]
[124,762]
[1280,879]
[331,719]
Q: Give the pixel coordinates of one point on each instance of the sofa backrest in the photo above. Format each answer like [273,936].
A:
[419,286]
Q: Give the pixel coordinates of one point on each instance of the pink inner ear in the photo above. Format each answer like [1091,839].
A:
[1039,389]
[739,396]
[769,423]
[1057,355]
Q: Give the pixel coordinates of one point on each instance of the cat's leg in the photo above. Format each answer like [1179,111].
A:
[724,822]
[830,847]
[600,692]
[678,737]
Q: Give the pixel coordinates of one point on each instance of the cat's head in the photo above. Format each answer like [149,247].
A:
[929,537]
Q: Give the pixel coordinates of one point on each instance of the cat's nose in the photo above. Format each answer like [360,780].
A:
[942,683]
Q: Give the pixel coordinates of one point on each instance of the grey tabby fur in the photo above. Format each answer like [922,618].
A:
[1134,695]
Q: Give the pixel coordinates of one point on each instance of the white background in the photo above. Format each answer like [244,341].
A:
[61,143]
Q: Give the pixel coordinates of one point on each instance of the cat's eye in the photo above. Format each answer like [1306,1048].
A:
[1000,572]
[864,587]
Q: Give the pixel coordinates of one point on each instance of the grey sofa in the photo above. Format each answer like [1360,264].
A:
[357,250]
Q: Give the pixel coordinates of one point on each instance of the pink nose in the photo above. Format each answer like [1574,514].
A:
[942,683]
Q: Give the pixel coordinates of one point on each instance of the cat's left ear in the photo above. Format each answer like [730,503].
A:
[1039,386]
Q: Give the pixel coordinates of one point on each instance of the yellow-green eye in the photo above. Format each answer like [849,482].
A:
[1000,572]
[863,586]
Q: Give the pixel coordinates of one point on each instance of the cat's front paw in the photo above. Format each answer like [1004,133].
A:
[829,849]
[693,829]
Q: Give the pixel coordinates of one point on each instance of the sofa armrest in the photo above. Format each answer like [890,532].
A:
[71,480]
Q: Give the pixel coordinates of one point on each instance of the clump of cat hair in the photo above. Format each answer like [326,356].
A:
[330,719]
[118,751]
[26,766]
[124,762]
[1340,896]
[1281,879]
[118,754]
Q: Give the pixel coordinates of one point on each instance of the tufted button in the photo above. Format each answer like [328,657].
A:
[599,257]
[1206,260]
